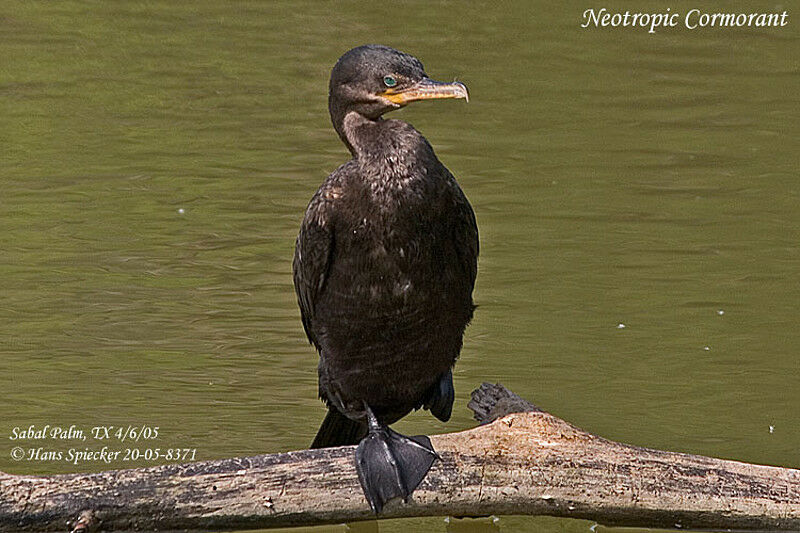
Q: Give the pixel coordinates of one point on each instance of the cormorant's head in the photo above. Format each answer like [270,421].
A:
[373,79]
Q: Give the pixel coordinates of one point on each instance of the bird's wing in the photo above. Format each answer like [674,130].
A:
[313,252]
[465,234]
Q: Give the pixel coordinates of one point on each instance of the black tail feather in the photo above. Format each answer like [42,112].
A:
[338,430]
[441,396]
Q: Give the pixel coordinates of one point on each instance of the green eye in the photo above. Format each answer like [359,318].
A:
[389,81]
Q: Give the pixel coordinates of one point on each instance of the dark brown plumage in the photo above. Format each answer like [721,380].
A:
[386,258]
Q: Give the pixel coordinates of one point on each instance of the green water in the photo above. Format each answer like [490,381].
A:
[156,159]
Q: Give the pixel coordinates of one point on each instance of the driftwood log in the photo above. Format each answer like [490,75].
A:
[527,462]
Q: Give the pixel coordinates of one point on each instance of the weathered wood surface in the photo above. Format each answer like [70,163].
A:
[529,462]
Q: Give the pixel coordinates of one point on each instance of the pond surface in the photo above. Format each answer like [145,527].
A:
[638,197]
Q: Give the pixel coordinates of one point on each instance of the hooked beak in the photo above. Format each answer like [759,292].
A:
[426,89]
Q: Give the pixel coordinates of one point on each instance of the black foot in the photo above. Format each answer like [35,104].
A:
[390,464]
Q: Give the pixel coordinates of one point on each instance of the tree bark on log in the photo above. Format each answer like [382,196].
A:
[528,462]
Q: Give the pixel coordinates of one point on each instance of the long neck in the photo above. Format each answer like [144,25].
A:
[388,149]
[353,128]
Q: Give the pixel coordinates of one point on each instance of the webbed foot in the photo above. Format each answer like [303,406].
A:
[389,464]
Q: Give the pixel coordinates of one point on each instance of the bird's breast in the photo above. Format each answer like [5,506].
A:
[383,254]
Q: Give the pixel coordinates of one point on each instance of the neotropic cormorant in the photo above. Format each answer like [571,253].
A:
[384,268]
